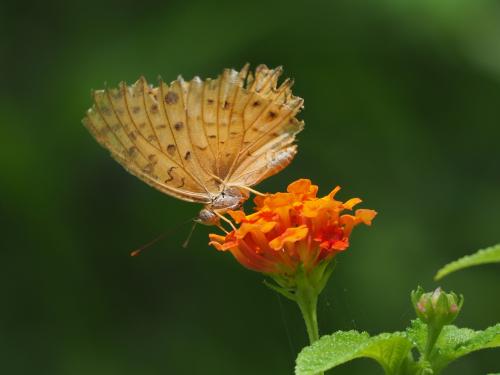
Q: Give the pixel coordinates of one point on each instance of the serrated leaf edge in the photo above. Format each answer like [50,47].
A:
[480,257]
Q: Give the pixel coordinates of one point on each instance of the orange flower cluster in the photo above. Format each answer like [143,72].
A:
[292,229]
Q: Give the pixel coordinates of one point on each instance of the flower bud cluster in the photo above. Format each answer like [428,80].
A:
[436,308]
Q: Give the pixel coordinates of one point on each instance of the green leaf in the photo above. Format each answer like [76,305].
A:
[484,256]
[454,343]
[417,334]
[389,349]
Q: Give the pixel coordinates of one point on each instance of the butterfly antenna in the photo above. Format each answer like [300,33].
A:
[139,250]
[186,243]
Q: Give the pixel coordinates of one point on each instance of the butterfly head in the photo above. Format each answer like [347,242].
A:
[230,198]
[206,216]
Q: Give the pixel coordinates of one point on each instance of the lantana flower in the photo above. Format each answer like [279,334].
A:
[292,229]
[293,238]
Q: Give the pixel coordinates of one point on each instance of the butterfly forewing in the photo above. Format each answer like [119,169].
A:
[111,122]
[188,139]
[197,131]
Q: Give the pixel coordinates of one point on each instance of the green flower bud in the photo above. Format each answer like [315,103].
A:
[436,308]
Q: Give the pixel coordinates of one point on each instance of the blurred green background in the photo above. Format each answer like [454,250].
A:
[401,109]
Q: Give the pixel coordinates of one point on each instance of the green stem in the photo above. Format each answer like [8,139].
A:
[304,289]
[432,336]
[306,297]
[308,300]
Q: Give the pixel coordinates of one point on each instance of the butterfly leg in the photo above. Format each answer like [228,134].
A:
[222,228]
[225,219]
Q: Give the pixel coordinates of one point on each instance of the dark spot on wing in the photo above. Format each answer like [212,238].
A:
[132,151]
[133,135]
[182,183]
[148,168]
[106,111]
[170,177]
[171,97]
[171,149]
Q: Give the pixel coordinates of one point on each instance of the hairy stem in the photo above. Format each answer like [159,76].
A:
[306,297]
[432,336]
[307,301]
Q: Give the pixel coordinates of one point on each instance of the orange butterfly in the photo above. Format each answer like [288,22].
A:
[201,141]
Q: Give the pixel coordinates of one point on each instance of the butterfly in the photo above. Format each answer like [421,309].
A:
[201,141]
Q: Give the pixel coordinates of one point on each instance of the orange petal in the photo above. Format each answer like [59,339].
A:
[259,201]
[279,200]
[244,229]
[333,192]
[312,208]
[215,244]
[300,186]
[262,226]
[366,216]
[341,244]
[351,203]
[290,235]
[238,216]
[216,237]
[304,187]
[223,243]
[266,227]
[347,219]
[263,214]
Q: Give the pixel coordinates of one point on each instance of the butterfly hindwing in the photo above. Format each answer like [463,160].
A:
[270,126]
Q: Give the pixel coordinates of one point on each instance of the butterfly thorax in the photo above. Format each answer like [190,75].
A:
[230,198]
